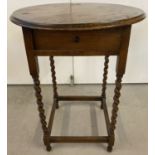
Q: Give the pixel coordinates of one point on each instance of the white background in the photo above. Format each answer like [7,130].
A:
[86,69]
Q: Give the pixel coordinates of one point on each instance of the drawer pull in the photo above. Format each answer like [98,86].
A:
[77,39]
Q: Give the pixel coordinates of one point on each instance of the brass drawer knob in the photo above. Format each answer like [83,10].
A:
[76,39]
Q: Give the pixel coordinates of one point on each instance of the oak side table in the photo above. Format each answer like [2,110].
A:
[89,29]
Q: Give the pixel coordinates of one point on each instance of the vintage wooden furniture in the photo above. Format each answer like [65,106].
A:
[77,30]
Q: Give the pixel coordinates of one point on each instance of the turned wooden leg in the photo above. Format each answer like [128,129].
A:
[41,112]
[104,80]
[55,93]
[114,112]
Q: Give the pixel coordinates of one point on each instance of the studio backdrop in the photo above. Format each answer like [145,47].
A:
[83,69]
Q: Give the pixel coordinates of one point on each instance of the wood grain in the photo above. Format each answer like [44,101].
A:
[85,16]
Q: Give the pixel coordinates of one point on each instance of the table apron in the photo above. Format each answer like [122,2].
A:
[76,43]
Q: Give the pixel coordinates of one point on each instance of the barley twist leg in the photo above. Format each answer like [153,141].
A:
[104,80]
[55,93]
[41,112]
[114,112]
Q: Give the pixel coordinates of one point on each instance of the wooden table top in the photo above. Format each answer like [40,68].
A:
[80,16]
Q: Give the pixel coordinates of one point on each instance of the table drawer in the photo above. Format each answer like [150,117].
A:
[90,42]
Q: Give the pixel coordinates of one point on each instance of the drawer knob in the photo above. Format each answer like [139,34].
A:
[76,39]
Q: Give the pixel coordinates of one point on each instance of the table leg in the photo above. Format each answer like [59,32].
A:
[34,71]
[114,112]
[41,112]
[120,70]
[55,93]
[104,80]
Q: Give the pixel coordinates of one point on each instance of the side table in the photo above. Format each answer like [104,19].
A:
[89,29]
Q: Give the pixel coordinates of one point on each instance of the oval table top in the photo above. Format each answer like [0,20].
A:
[77,16]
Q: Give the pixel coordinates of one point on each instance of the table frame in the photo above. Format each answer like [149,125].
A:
[32,56]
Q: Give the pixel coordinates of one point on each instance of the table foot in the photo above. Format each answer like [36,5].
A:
[109,148]
[48,148]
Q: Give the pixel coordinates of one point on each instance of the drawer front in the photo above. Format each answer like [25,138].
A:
[87,42]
